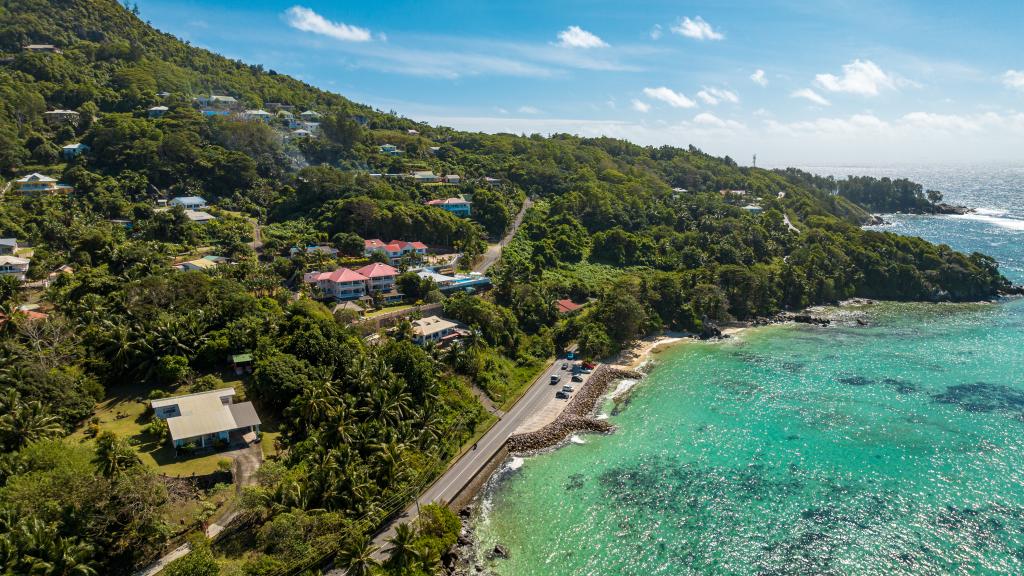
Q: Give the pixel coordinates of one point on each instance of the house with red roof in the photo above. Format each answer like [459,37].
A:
[340,284]
[346,284]
[567,306]
[380,277]
[394,250]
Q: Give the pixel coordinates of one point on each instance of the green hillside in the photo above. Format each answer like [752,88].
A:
[653,238]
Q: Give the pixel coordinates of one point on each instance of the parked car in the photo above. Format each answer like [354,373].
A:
[555,379]
[565,365]
[577,378]
[568,388]
[562,395]
[589,365]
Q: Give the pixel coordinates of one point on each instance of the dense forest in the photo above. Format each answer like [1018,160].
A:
[651,238]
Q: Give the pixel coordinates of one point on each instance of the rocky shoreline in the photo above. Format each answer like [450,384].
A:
[577,416]
[463,559]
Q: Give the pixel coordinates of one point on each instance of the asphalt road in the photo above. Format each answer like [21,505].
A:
[451,482]
[493,252]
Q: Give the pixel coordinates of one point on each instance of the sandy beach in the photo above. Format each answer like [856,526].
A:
[635,356]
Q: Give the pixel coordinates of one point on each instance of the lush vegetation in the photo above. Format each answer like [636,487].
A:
[645,234]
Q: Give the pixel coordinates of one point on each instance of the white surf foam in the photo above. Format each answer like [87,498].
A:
[577,440]
[1000,221]
[515,463]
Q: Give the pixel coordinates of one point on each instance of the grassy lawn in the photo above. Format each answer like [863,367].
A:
[522,377]
[389,309]
[123,415]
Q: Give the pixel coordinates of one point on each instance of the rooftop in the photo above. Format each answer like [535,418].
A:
[377,270]
[431,325]
[206,413]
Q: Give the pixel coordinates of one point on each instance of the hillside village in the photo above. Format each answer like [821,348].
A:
[248,322]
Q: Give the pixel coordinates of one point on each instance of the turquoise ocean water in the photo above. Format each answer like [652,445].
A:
[893,448]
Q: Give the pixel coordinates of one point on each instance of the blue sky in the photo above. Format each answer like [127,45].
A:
[803,83]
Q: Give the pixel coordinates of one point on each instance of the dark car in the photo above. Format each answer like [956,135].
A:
[562,395]
[565,365]
[577,378]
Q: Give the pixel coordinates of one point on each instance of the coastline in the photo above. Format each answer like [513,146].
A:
[640,354]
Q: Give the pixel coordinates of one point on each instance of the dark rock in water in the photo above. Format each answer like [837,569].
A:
[952,209]
[466,512]
[808,319]
[464,540]
[862,322]
[1013,291]
[499,551]
[874,220]
[856,380]
[709,329]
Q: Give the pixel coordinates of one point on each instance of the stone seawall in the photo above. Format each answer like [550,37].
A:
[577,416]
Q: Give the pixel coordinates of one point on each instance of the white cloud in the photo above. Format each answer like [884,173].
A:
[698,29]
[709,120]
[656,32]
[302,18]
[1014,79]
[808,94]
[862,77]
[713,96]
[576,37]
[641,106]
[950,122]
[670,97]
[759,77]
[529,110]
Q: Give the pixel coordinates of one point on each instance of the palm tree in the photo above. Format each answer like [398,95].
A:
[113,455]
[356,557]
[24,422]
[403,551]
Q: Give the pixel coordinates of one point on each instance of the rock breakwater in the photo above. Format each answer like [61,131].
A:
[577,416]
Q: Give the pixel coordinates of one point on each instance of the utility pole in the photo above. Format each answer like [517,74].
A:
[755,160]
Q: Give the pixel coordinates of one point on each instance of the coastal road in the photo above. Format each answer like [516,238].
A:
[445,488]
[493,252]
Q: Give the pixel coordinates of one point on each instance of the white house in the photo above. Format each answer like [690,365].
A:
[14,266]
[425,177]
[8,246]
[37,183]
[189,202]
[72,151]
[157,111]
[217,101]
[453,179]
[200,264]
[258,116]
[432,329]
[310,116]
[60,117]
[206,418]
